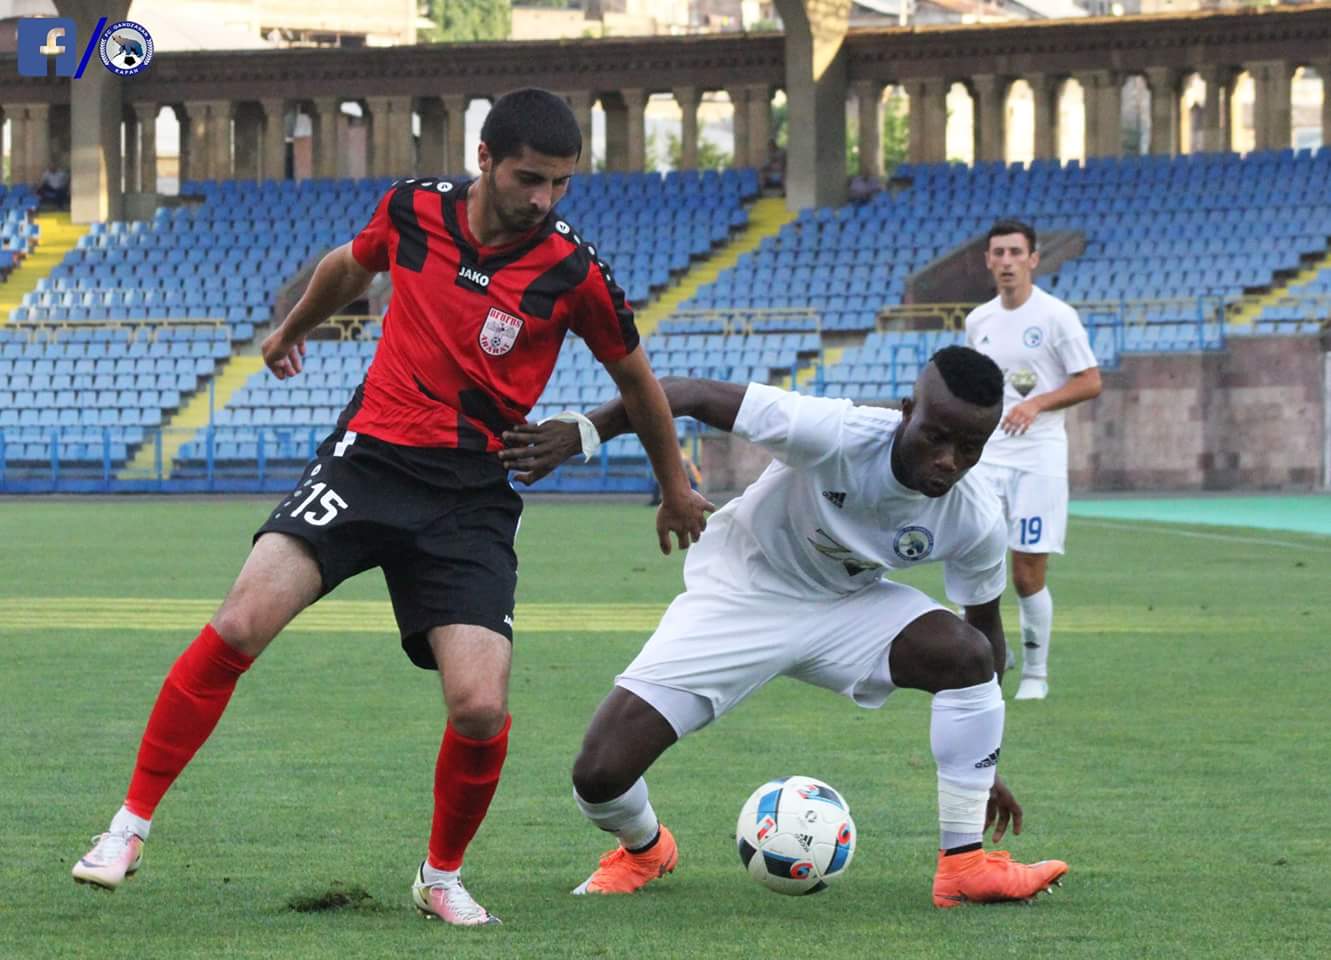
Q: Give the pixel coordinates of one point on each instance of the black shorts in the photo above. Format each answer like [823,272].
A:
[440,522]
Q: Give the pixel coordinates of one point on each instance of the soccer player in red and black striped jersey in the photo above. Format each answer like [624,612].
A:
[487,280]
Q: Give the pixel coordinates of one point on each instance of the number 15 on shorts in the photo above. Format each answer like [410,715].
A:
[1030,531]
[329,506]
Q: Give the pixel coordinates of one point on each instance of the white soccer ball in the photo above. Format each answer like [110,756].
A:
[795,835]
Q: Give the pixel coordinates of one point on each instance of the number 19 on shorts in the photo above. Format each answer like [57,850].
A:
[1030,531]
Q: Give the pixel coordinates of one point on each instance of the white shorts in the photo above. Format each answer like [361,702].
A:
[1036,507]
[719,642]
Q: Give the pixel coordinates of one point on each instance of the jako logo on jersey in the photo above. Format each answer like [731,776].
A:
[1032,337]
[469,277]
[913,544]
[500,332]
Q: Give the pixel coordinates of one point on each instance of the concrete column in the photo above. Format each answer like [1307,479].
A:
[39,141]
[635,105]
[391,147]
[96,110]
[1044,92]
[200,156]
[1324,71]
[274,157]
[430,159]
[990,117]
[325,136]
[616,131]
[739,103]
[249,124]
[1103,98]
[1213,129]
[129,167]
[816,89]
[688,99]
[146,111]
[1163,82]
[220,114]
[869,101]
[760,124]
[1272,80]
[380,133]
[17,116]
[184,164]
[928,120]
[580,102]
[455,153]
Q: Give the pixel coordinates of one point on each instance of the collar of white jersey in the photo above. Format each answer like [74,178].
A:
[893,486]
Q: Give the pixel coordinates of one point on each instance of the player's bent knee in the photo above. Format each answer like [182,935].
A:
[598,780]
[478,717]
[940,651]
[241,630]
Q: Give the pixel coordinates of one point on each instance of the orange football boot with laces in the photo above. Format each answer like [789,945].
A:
[624,872]
[992,877]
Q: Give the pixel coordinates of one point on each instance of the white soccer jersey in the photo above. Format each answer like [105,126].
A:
[828,517]
[1038,346]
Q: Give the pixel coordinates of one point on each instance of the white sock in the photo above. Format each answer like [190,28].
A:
[628,816]
[433,875]
[124,820]
[1037,621]
[965,732]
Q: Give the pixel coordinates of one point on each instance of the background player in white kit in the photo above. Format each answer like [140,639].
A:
[787,580]
[1048,365]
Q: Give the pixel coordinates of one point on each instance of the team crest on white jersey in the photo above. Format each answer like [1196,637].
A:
[500,332]
[1032,337]
[913,543]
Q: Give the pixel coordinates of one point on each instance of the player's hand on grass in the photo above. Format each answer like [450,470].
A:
[536,449]
[1003,809]
[1020,418]
[283,358]
[685,517]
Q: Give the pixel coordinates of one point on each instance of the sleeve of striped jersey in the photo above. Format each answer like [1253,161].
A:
[370,247]
[602,316]
[799,431]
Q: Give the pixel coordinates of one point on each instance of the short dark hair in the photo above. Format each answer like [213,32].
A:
[970,375]
[1005,227]
[531,117]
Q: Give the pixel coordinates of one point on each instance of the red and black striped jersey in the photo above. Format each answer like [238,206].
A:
[472,333]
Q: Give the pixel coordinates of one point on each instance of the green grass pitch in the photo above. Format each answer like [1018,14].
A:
[1180,765]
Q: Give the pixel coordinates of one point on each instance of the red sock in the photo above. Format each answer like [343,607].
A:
[465,778]
[191,701]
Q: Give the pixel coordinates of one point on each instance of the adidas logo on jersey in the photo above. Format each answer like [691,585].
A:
[989,761]
[836,498]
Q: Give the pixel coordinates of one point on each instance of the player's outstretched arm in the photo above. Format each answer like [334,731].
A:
[987,619]
[338,279]
[535,450]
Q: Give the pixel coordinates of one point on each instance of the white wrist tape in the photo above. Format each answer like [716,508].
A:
[591,440]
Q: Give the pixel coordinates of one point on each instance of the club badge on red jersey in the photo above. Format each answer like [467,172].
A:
[500,332]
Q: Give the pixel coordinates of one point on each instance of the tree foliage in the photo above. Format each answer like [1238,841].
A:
[462,21]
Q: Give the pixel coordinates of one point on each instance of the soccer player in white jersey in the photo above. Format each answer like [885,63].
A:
[1048,365]
[787,580]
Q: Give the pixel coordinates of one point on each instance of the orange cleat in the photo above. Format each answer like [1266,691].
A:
[980,877]
[624,872]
